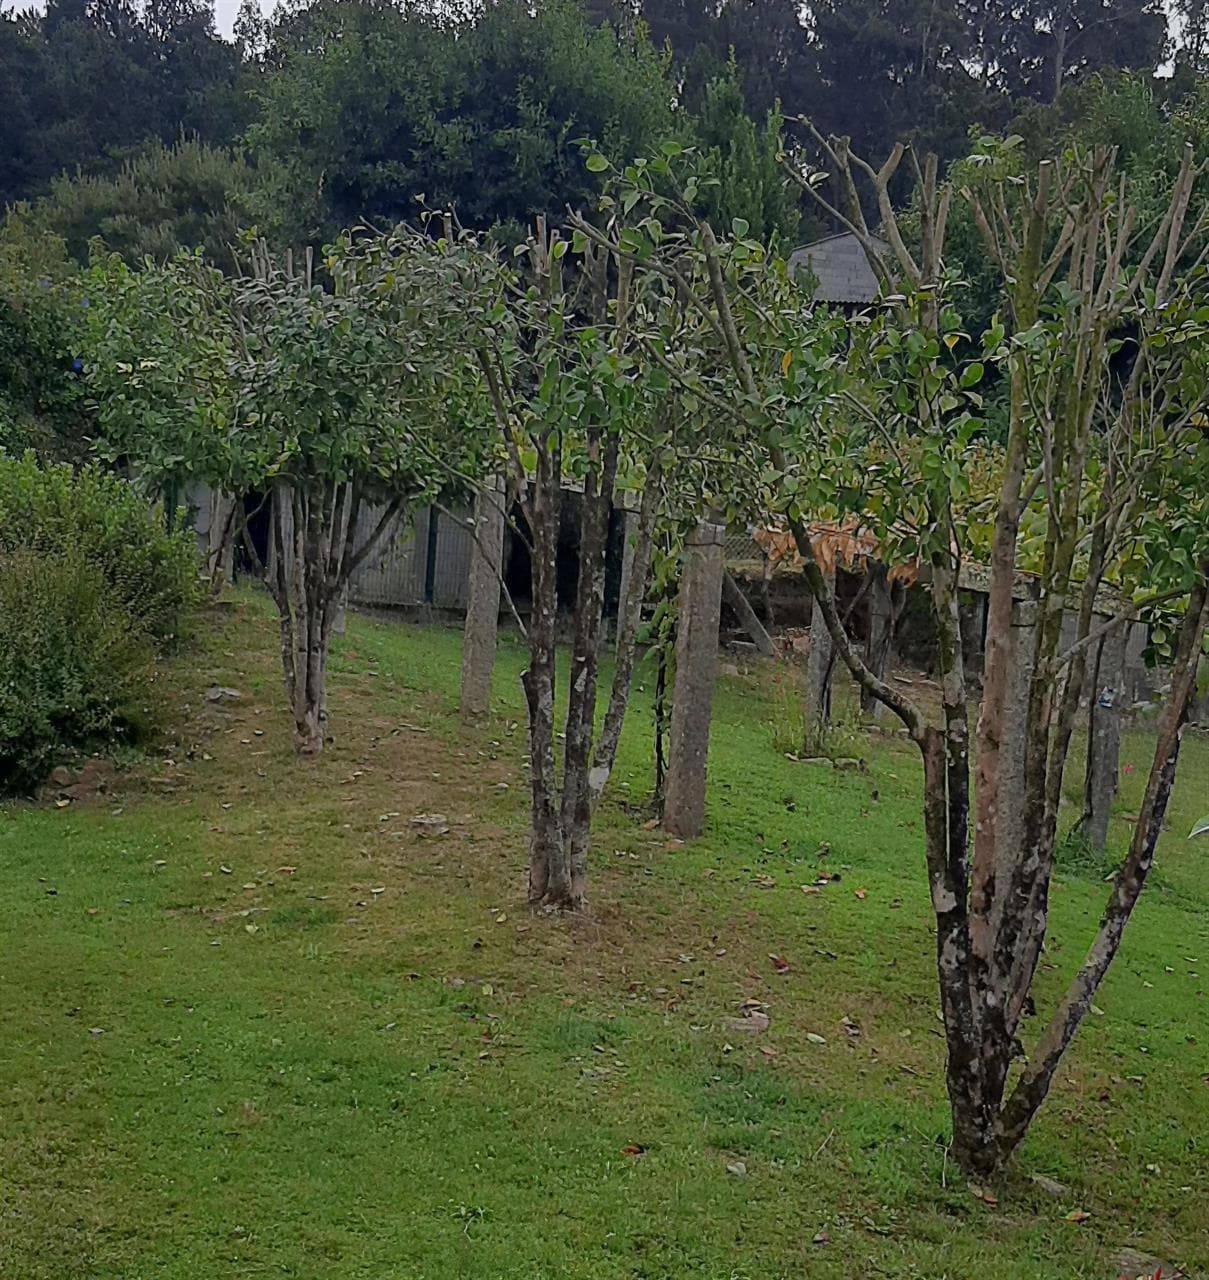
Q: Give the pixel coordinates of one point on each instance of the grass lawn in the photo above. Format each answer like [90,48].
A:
[254,1025]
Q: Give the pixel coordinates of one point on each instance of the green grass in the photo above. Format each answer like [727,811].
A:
[254,1026]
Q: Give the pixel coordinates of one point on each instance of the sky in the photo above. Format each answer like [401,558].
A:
[225,10]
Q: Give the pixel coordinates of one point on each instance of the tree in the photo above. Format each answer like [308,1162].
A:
[885,70]
[83,84]
[344,405]
[355,395]
[1034,50]
[164,199]
[42,400]
[580,412]
[1085,442]
[371,107]
[746,161]
[558,365]
[1090,444]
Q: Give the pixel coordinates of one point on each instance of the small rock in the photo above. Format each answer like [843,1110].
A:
[61,777]
[729,670]
[1051,1186]
[1141,1266]
[430,824]
[737,1169]
[219,694]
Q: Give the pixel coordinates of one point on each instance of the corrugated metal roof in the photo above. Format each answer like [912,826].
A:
[841,268]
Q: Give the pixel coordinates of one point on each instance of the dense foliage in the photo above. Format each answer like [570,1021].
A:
[90,588]
[353,110]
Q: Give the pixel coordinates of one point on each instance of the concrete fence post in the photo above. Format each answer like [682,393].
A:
[1104,738]
[483,600]
[693,697]
[818,673]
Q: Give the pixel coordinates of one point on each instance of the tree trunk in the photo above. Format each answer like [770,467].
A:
[1034,1083]
[879,636]
[314,554]
[220,539]
[660,726]
[628,621]
[549,874]
[585,664]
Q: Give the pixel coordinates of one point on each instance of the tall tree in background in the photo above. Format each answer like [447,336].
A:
[1033,50]
[85,83]
[165,198]
[370,108]
[746,160]
[890,69]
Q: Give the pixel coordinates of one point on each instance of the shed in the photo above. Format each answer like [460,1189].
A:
[841,269]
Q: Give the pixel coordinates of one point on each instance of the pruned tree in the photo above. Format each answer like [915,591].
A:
[553,352]
[1100,353]
[352,389]
[580,418]
[334,389]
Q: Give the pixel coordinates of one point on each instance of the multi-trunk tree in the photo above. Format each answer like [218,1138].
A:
[554,354]
[1101,351]
[333,389]
[586,427]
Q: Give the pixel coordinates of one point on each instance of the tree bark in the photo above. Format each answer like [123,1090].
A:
[1034,1084]
[820,662]
[880,634]
[585,663]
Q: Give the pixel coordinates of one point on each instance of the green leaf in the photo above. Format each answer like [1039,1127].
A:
[597,163]
[740,226]
[972,374]
[1201,829]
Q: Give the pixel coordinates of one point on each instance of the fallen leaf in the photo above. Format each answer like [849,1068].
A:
[633,1150]
[779,963]
[981,1193]
[737,1169]
[861,894]
[815,1038]
[821,1238]
[1077,1216]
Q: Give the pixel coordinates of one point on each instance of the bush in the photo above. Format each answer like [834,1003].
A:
[52,510]
[74,673]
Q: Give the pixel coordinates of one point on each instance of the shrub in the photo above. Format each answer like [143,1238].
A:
[74,673]
[52,510]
